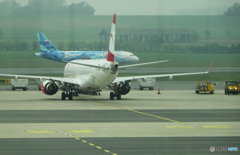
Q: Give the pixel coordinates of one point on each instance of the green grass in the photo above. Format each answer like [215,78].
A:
[87,28]
[27,59]
[190,60]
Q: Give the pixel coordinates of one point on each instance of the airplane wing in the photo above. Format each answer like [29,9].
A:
[58,79]
[129,78]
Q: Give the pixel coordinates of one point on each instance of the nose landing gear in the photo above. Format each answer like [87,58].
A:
[69,92]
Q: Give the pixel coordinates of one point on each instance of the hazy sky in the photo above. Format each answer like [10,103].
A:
[148,7]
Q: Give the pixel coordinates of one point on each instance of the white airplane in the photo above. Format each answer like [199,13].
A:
[93,75]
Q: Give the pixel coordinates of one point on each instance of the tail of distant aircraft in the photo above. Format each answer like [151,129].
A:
[110,56]
[45,44]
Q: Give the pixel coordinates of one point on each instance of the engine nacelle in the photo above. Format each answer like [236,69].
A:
[170,77]
[49,88]
[124,88]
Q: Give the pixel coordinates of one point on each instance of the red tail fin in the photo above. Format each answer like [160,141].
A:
[110,56]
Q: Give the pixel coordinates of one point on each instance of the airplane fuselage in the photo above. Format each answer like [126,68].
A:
[63,56]
[89,78]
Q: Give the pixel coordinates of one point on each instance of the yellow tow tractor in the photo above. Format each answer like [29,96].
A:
[238,87]
[206,87]
[232,87]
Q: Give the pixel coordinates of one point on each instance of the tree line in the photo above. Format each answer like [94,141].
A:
[211,48]
[234,10]
[45,7]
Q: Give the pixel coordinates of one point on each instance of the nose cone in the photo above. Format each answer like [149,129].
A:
[136,58]
[37,54]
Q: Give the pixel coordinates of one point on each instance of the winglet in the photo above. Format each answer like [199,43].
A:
[110,56]
[210,66]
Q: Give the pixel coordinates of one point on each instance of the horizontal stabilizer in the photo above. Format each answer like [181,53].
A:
[148,63]
[86,64]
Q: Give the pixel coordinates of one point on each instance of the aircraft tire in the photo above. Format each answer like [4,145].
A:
[63,96]
[70,96]
[111,96]
[119,96]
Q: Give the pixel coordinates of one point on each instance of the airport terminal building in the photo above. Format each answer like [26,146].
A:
[144,35]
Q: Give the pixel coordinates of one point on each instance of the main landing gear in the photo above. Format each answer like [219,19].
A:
[95,94]
[69,95]
[118,95]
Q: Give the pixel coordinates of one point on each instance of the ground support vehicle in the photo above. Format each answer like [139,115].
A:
[238,87]
[206,87]
[4,80]
[19,84]
[232,87]
[146,83]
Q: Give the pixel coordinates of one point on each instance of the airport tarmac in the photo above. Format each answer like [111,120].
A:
[127,70]
[162,85]
[143,122]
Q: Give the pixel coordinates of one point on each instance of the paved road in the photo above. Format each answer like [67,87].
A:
[143,122]
[120,146]
[163,85]
[96,116]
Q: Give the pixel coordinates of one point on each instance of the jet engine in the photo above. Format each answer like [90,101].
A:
[170,77]
[124,88]
[49,88]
